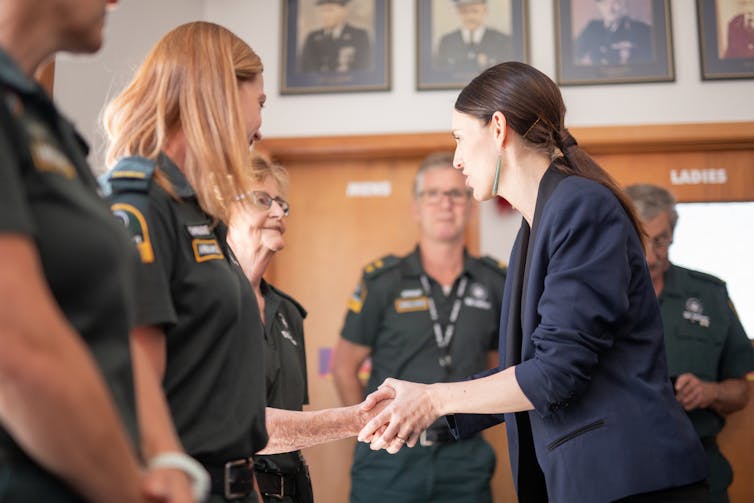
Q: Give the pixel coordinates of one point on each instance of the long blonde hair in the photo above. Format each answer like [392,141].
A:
[189,83]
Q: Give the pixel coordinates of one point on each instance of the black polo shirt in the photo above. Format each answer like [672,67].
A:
[191,286]
[48,193]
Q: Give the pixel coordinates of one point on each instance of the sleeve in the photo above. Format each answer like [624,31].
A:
[150,227]
[15,214]
[366,309]
[584,299]
[738,353]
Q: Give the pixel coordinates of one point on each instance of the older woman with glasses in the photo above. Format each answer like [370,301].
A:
[255,233]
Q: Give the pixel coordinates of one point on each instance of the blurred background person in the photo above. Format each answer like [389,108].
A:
[709,354]
[431,316]
[337,46]
[615,38]
[475,45]
[69,421]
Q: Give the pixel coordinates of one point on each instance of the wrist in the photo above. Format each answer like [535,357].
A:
[196,473]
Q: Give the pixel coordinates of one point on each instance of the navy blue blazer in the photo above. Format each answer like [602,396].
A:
[581,322]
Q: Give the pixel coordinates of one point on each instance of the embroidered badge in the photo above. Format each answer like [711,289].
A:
[46,155]
[411,292]
[207,249]
[285,333]
[411,305]
[136,224]
[478,297]
[356,301]
[199,230]
[694,312]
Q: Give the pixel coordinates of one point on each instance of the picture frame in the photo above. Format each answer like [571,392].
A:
[613,41]
[351,57]
[446,60]
[726,39]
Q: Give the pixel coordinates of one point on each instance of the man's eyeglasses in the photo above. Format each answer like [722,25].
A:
[434,196]
[661,242]
[264,200]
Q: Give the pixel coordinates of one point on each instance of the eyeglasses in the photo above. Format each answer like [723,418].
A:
[661,242]
[264,200]
[434,196]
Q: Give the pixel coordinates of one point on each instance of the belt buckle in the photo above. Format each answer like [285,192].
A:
[281,494]
[423,440]
[227,479]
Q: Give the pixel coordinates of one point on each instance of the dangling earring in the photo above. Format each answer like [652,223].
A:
[496,180]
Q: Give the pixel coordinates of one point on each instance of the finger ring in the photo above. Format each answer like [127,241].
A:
[401,440]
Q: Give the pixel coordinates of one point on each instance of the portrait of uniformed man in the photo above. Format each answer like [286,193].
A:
[740,39]
[616,37]
[336,46]
[474,45]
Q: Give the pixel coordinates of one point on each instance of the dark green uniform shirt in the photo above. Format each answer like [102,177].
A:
[389,312]
[703,336]
[191,285]
[48,194]
[285,375]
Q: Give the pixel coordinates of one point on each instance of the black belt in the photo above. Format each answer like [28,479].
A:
[435,435]
[276,485]
[233,480]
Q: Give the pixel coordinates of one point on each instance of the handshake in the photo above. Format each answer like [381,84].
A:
[396,414]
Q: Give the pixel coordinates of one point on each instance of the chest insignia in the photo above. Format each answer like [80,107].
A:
[200,230]
[207,249]
[411,292]
[137,227]
[46,155]
[411,304]
[285,333]
[694,312]
[478,297]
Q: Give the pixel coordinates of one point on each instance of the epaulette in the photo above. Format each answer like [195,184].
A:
[498,266]
[379,266]
[131,174]
[291,299]
[706,277]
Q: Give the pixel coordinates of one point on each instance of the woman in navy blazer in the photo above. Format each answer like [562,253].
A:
[582,382]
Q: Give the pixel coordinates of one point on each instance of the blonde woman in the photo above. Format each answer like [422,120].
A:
[179,143]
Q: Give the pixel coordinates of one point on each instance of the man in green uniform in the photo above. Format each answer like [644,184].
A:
[708,351]
[430,316]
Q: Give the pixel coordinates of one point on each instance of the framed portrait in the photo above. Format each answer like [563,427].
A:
[613,41]
[335,46]
[457,39]
[726,38]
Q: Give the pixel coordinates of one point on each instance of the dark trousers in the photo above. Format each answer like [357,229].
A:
[692,493]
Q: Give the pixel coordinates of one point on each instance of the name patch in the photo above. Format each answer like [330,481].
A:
[207,249]
[411,305]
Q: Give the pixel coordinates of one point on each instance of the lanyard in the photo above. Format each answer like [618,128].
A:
[443,337]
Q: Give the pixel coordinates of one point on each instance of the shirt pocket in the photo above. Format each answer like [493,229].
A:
[700,349]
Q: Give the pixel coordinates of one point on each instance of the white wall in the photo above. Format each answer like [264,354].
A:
[83,84]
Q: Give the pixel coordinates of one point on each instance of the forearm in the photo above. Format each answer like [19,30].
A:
[155,422]
[57,407]
[294,430]
[493,394]
[350,389]
[731,395]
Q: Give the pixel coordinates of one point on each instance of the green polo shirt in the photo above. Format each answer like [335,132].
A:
[703,336]
[191,285]
[48,194]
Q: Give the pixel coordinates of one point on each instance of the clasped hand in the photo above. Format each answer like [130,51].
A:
[412,410]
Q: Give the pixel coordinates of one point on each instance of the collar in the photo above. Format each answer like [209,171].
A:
[176,178]
[12,76]
[671,285]
[473,37]
[336,32]
[547,185]
[412,264]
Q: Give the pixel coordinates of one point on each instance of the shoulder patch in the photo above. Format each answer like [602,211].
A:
[131,174]
[374,269]
[137,227]
[293,301]
[495,264]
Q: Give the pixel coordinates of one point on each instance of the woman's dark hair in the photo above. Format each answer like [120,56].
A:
[533,108]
